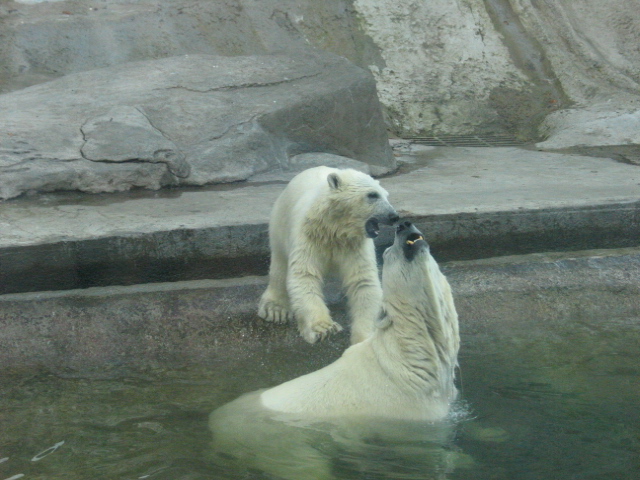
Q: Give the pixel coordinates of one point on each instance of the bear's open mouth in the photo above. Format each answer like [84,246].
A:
[414,243]
[372,227]
[413,238]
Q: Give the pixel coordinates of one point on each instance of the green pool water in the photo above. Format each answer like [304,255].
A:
[559,402]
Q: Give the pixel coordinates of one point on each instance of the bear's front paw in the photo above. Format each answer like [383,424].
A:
[274,312]
[319,330]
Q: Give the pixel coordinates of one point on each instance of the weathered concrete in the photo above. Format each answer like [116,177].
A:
[163,322]
[472,202]
[177,324]
[189,120]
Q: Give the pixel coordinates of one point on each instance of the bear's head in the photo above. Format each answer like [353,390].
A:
[356,197]
[407,264]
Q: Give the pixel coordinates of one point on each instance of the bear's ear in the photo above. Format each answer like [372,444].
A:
[334,181]
[383,321]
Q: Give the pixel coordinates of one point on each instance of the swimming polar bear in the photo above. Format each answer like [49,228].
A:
[396,386]
[323,223]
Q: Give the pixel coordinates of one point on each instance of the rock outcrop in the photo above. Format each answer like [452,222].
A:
[187,120]
[564,71]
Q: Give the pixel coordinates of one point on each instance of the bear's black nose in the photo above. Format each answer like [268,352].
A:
[394,218]
[403,226]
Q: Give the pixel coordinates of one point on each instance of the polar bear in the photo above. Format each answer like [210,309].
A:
[323,223]
[394,388]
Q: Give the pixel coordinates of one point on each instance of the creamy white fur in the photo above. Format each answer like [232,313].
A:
[317,228]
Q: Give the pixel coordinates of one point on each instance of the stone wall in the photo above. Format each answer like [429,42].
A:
[529,68]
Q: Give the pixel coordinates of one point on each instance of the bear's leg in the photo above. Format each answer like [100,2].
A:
[305,287]
[274,303]
[360,279]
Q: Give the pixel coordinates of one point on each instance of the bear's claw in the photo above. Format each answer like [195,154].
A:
[319,331]
[274,312]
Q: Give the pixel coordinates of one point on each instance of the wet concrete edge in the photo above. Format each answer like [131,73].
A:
[232,251]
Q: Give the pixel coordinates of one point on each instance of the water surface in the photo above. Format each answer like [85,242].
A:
[560,402]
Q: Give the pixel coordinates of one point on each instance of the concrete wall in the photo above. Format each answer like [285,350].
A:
[184,323]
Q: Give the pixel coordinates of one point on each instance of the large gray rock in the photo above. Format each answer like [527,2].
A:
[446,70]
[608,124]
[42,39]
[188,120]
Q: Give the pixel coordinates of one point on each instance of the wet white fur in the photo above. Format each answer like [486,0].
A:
[390,388]
[317,228]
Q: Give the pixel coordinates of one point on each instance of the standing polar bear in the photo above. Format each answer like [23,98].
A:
[323,223]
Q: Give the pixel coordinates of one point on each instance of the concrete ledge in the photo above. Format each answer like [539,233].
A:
[102,330]
[163,256]
[138,326]
[471,202]
[468,236]
[232,251]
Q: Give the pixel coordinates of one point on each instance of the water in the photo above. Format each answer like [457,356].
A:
[559,402]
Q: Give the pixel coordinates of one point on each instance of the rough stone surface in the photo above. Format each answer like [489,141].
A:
[602,125]
[44,40]
[189,120]
[490,65]
[301,162]
[125,134]
[442,59]
[592,47]
[445,67]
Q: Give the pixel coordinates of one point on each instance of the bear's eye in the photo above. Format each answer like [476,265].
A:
[373,195]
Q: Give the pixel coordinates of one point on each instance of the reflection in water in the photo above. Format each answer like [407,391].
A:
[47,452]
[247,436]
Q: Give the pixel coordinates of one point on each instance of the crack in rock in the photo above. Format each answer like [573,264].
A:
[230,88]
[124,134]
